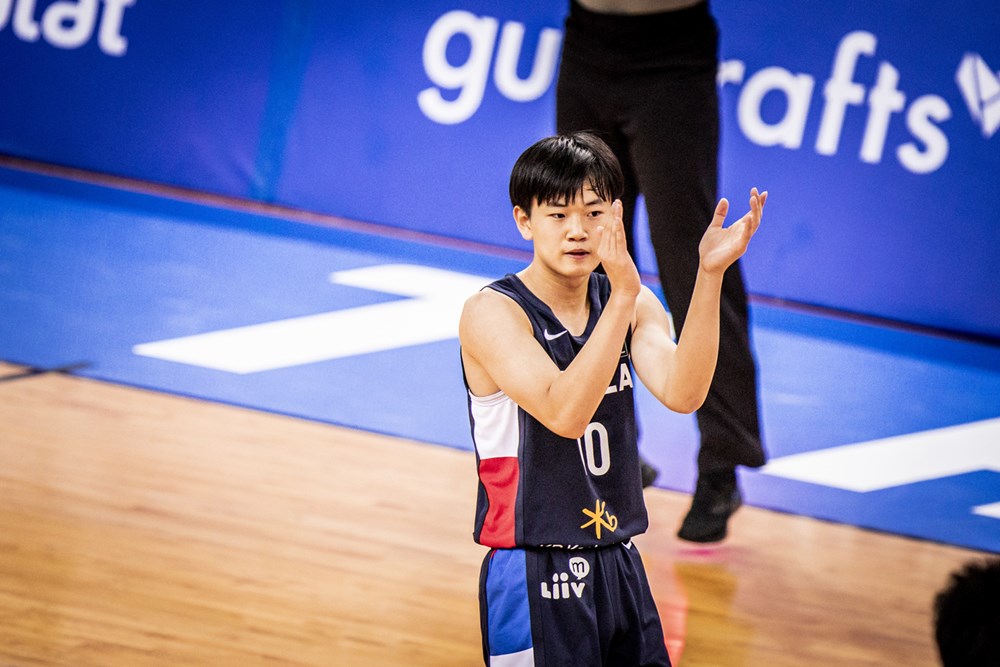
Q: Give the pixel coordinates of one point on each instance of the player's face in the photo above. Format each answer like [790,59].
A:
[563,232]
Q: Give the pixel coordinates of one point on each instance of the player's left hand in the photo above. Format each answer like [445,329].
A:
[721,246]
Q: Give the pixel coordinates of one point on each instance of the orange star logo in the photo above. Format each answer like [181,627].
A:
[597,518]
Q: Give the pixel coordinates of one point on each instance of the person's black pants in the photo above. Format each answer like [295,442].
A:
[646,85]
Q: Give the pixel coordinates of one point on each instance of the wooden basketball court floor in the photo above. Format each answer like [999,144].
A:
[140,528]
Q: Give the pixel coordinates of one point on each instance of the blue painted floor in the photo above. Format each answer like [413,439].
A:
[881,428]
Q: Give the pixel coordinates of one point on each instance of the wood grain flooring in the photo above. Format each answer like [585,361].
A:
[143,529]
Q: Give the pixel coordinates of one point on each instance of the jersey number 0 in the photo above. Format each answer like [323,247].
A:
[594,438]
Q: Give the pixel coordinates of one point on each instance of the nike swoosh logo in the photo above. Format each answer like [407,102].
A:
[549,336]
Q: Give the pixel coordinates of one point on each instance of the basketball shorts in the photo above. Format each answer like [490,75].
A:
[549,607]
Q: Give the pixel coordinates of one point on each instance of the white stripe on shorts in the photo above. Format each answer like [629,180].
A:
[525,658]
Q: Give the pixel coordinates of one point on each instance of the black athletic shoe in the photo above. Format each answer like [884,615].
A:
[716,498]
[649,473]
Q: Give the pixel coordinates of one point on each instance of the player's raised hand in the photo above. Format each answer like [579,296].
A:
[721,246]
[613,251]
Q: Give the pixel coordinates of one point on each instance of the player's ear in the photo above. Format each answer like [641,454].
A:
[523,222]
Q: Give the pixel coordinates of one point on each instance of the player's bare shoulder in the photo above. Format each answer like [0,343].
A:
[485,313]
[491,325]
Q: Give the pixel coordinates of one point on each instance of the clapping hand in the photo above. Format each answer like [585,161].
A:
[720,246]
[613,251]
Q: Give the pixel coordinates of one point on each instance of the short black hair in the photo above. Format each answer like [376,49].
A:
[558,167]
[967,616]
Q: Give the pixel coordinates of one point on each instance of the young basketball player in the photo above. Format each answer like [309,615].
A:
[548,357]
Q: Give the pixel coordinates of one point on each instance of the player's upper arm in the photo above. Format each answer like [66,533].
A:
[653,348]
[500,352]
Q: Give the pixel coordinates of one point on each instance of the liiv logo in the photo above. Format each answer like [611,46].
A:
[562,588]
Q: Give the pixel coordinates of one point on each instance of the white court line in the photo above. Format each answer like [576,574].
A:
[905,459]
[431,314]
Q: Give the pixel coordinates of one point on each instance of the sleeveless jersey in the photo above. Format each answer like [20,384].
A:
[539,489]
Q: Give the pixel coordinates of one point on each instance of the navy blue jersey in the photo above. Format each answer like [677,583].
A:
[539,489]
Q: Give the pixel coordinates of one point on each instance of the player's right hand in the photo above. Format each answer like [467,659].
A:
[613,251]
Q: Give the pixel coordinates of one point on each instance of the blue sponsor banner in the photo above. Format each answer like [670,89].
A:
[413,115]
[873,124]
[171,92]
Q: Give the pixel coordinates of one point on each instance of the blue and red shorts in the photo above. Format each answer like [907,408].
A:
[579,607]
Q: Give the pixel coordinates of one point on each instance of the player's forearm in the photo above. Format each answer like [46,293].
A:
[698,347]
[578,391]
